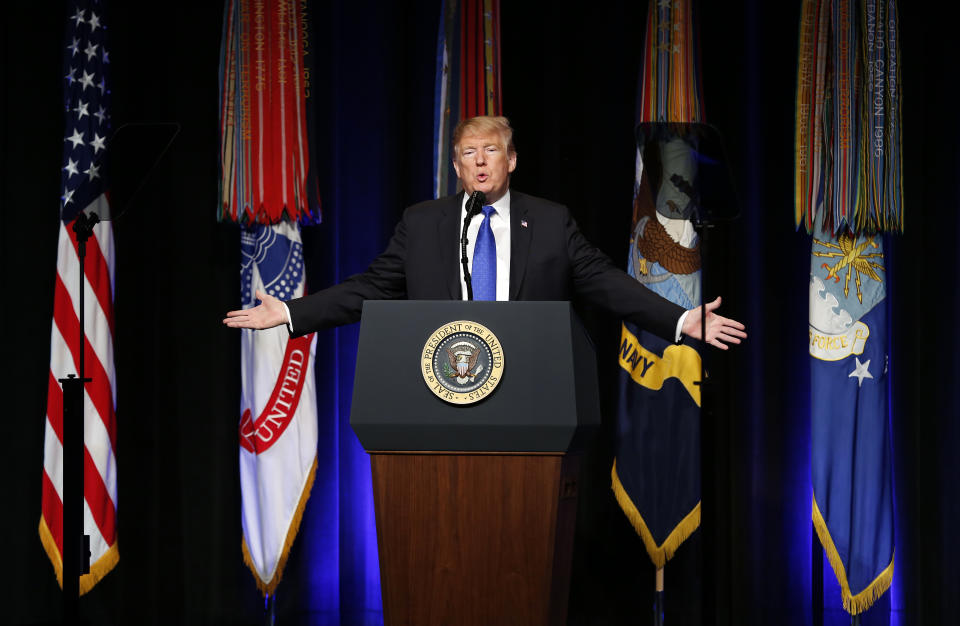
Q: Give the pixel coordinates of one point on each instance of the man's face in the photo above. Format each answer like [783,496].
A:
[484,165]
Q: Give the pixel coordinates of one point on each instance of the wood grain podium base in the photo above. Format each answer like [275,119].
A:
[474,538]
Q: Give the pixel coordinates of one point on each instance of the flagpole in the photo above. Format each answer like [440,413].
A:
[658,599]
[76,544]
[817,574]
[270,609]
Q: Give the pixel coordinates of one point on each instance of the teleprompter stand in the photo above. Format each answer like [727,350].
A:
[76,544]
[135,151]
[686,174]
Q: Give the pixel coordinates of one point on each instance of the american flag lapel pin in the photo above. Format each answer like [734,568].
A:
[523,223]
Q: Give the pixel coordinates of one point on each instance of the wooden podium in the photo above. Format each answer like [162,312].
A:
[475,503]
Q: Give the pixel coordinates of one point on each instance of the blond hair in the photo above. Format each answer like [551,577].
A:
[484,125]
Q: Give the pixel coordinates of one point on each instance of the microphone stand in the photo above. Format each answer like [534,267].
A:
[474,204]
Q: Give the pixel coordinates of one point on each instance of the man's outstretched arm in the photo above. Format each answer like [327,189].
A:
[720,330]
[339,304]
[269,313]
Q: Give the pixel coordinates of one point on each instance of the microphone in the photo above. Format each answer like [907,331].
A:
[475,203]
[474,206]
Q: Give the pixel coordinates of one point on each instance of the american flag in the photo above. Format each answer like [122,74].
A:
[87,124]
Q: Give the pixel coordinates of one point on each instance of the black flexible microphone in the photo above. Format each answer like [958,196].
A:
[474,206]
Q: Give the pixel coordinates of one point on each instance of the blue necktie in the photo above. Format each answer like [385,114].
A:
[485,260]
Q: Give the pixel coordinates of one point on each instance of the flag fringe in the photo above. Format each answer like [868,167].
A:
[854,604]
[658,554]
[268,587]
[98,570]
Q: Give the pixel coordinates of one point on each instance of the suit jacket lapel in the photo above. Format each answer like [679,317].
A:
[520,235]
[448,234]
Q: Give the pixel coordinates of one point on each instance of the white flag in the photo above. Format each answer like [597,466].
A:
[278,424]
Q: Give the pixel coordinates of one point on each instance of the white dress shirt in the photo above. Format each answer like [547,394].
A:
[500,225]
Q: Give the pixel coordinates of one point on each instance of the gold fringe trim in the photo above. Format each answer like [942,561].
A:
[658,554]
[268,587]
[854,604]
[50,547]
[98,570]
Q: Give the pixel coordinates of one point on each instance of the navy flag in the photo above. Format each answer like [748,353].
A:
[656,473]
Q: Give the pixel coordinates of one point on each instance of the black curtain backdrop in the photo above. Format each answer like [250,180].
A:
[569,80]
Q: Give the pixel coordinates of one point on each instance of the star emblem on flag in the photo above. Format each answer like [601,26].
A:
[861,371]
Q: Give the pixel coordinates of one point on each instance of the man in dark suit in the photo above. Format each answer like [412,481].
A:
[523,248]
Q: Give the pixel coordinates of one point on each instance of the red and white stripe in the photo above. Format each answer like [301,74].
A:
[100,423]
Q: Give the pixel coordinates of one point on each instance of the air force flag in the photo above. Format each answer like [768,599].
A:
[850,438]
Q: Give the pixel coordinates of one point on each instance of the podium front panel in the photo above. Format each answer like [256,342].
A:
[546,395]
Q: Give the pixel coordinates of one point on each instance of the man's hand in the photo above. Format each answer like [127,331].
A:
[720,330]
[269,313]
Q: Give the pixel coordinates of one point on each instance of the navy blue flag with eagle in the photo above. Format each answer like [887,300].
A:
[656,473]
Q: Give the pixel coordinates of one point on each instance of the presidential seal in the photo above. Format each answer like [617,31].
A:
[462,362]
